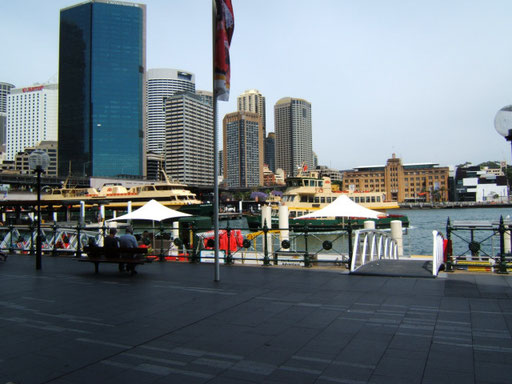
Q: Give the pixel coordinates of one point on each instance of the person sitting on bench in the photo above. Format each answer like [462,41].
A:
[128,241]
[111,241]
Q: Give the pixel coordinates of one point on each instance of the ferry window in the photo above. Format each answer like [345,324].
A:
[328,199]
[351,198]
[293,214]
[311,199]
[303,199]
[321,183]
[322,200]
[317,199]
[373,199]
[357,199]
[378,199]
[367,199]
[306,183]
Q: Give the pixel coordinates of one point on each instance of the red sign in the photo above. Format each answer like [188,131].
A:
[32,89]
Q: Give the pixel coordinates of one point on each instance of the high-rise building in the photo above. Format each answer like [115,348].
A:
[243,149]
[253,101]
[5,89]
[293,128]
[162,83]
[31,117]
[270,151]
[189,138]
[154,164]
[102,59]
[22,158]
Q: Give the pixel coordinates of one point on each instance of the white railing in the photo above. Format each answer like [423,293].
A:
[370,245]
[437,252]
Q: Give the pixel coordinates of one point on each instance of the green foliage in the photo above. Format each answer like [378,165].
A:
[490,164]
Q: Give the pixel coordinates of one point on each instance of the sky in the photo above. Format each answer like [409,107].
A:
[422,79]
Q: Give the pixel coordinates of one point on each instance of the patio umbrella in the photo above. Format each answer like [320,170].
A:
[343,207]
[153,211]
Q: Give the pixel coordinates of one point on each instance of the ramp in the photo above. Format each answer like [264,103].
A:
[396,268]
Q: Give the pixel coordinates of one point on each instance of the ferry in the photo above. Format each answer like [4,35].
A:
[308,192]
[172,194]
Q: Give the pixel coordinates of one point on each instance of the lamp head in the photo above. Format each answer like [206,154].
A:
[38,160]
[503,122]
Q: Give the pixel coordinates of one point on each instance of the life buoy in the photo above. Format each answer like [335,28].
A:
[320,190]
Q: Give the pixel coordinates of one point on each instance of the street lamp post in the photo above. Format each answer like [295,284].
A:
[38,162]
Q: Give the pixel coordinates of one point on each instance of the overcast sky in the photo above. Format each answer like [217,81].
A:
[422,79]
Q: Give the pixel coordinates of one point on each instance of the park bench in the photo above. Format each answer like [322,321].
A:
[128,256]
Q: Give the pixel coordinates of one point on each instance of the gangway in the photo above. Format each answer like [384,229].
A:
[376,253]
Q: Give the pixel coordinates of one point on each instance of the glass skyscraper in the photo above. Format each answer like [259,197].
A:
[102,59]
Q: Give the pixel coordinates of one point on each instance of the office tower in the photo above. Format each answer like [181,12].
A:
[243,149]
[102,59]
[294,145]
[189,138]
[253,101]
[154,165]
[270,152]
[22,158]
[162,83]
[5,89]
[31,117]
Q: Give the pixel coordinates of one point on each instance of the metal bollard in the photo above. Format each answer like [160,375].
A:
[161,256]
[449,260]
[307,262]
[54,248]
[229,257]
[11,248]
[503,260]
[195,257]
[78,242]
[266,260]
[32,251]
[350,245]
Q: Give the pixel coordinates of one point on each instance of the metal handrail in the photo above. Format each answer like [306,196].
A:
[370,245]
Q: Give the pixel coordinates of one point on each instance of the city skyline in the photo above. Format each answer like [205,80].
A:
[421,80]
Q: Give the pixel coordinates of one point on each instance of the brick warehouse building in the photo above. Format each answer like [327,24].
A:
[401,182]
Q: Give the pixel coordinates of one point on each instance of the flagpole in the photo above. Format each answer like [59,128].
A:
[215,152]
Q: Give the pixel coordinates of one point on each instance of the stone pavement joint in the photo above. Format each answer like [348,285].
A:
[172,323]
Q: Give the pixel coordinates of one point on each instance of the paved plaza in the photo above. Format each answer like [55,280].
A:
[171,323]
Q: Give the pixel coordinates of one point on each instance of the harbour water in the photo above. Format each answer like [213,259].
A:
[418,240]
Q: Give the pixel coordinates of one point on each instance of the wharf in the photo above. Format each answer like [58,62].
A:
[172,323]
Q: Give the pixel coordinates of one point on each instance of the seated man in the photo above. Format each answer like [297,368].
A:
[111,241]
[128,241]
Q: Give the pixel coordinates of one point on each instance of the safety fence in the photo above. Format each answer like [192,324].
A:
[481,245]
[265,246]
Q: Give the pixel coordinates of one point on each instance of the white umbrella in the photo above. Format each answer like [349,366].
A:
[343,207]
[152,210]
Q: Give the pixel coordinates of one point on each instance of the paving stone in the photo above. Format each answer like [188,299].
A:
[173,324]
